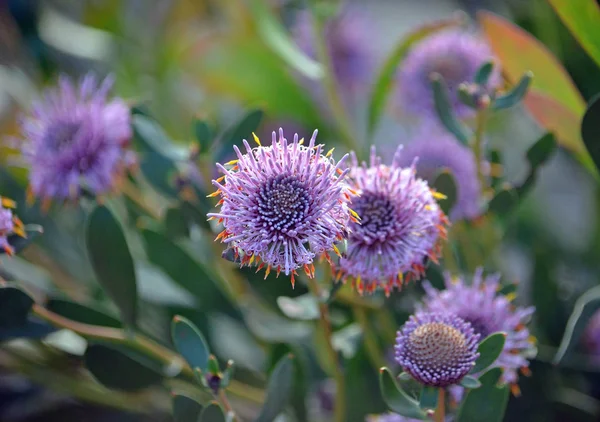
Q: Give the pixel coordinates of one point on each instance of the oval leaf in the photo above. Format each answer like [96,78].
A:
[504,201]
[212,413]
[112,261]
[304,307]
[279,389]
[190,343]
[155,139]
[445,111]
[590,130]
[186,409]
[203,134]
[114,369]
[396,399]
[470,382]
[429,398]
[242,130]
[81,313]
[489,350]
[15,305]
[486,403]
[542,150]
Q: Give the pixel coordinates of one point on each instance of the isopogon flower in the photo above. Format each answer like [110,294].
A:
[283,205]
[437,350]
[10,224]
[437,150]
[75,138]
[456,56]
[488,311]
[400,226]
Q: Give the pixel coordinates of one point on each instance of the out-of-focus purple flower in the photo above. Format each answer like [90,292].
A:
[437,349]
[75,138]
[9,224]
[283,205]
[394,417]
[437,150]
[456,56]
[400,225]
[348,43]
[591,336]
[488,312]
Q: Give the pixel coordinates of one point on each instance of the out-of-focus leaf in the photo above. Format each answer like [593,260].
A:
[470,382]
[19,243]
[186,409]
[489,349]
[81,313]
[504,201]
[112,261]
[15,305]
[212,413]
[583,19]
[584,308]
[590,129]
[515,95]
[277,38]
[541,150]
[242,130]
[382,87]
[303,307]
[445,184]
[396,399]
[155,139]
[31,329]
[347,340]
[190,343]
[203,134]
[429,398]
[486,403]
[118,371]
[175,223]
[159,171]
[279,389]
[483,73]
[445,112]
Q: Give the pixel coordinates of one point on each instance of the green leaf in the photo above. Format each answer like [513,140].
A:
[112,261]
[444,110]
[81,313]
[583,21]
[515,95]
[15,306]
[203,134]
[590,129]
[470,382]
[347,340]
[489,350]
[212,413]
[279,389]
[541,150]
[278,39]
[396,399]
[585,307]
[190,343]
[159,171]
[486,403]
[19,243]
[445,184]
[504,201]
[382,87]
[242,130]
[115,369]
[429,398]
[31,329]
[483,73]
[185,409]
[304,307]
[155,139]
[176,225]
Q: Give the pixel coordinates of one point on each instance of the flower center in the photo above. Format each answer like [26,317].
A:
[377,217]
[437,346]
[283,203]
[61,134]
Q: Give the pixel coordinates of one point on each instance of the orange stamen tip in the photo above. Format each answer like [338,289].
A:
[215,193]
[256,139]
[8,203]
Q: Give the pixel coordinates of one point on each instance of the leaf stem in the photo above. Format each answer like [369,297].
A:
[371,345]
[227,405]
[481,120]
[132,192]
[440,412]
[325,325]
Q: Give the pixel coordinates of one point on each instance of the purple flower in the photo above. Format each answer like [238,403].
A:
[591,336]
[488,312]
[9,225]
[456,56]
[437,349]
[394,417]
[75,139]
[283,205]
[437,150]
[399,229]
[348,43]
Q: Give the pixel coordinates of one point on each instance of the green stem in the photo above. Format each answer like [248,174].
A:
[227,405]
[440,412]
[481,120]
[340,115]
[368,334]
[325,324]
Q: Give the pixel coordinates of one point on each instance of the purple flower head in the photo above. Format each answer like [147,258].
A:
[9,225]
[591,336]
[348,43]
[283,205]
[437,349]
[394,417]
[488,312]
[400,225]
[438,150]
[456,56]
[74,139]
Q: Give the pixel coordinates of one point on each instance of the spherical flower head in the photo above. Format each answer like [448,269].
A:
[488,312]
[283,205]
[437,151]
[437,350]
[9,225]
[348,44]
[75,138]
[456,56]
[400,226]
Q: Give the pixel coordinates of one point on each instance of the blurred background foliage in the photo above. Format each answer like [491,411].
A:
[182,60]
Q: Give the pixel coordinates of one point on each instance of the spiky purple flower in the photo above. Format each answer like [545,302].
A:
[400,225]
[283,205]
[488,312]
[75,138]
[9,225]
[456,56]
[437,349]
[437,150]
